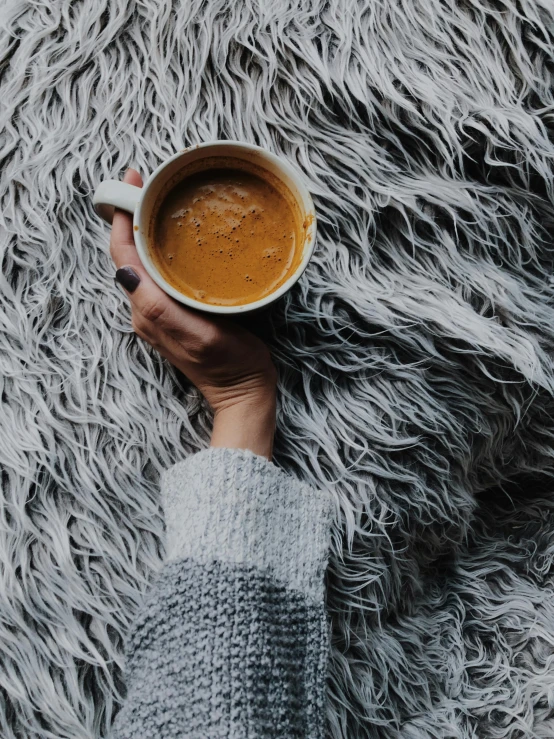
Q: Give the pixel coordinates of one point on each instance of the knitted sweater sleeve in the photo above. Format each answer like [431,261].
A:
[232,639]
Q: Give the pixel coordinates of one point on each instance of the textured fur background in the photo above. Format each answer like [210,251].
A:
[415,356]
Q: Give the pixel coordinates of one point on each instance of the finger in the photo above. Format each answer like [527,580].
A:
[158,311]
[122,242]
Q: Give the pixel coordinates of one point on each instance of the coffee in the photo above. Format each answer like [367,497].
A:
[227,232]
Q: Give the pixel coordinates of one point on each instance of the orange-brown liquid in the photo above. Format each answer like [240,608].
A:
[226,236]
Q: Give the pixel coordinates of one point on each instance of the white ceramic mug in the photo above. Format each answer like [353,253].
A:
[140,202]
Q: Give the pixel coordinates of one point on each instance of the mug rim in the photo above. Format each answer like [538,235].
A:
[308,247]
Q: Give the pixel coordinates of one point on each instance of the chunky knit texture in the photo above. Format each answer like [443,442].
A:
[233,638]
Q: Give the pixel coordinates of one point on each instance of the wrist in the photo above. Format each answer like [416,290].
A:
[247,424]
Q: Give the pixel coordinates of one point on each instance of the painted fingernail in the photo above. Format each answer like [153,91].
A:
[127,277]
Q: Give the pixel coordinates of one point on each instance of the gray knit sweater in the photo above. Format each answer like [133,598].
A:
[232,639]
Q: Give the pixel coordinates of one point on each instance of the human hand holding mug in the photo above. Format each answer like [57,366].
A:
[259,209]
[230,366]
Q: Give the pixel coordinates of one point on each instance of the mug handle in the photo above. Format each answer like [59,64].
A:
[112,194]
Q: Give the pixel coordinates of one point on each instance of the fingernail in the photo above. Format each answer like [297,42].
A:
[127,277]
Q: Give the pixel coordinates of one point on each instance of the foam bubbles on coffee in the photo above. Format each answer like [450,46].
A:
[226,236]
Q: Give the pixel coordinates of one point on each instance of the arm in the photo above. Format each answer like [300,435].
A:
[232,639]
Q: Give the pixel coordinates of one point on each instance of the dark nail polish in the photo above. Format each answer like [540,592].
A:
[127,277]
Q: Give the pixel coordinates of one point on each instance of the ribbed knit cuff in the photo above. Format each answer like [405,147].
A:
[235,506]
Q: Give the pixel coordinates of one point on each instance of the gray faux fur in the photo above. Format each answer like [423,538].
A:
[415,356]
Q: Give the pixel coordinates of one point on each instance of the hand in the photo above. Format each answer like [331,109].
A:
[230,366]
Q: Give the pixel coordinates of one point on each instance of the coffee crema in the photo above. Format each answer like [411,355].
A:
[229,233]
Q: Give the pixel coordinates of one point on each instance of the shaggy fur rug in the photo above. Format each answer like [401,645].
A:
[415,355]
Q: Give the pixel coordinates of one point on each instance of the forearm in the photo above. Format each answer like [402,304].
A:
[233,638]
